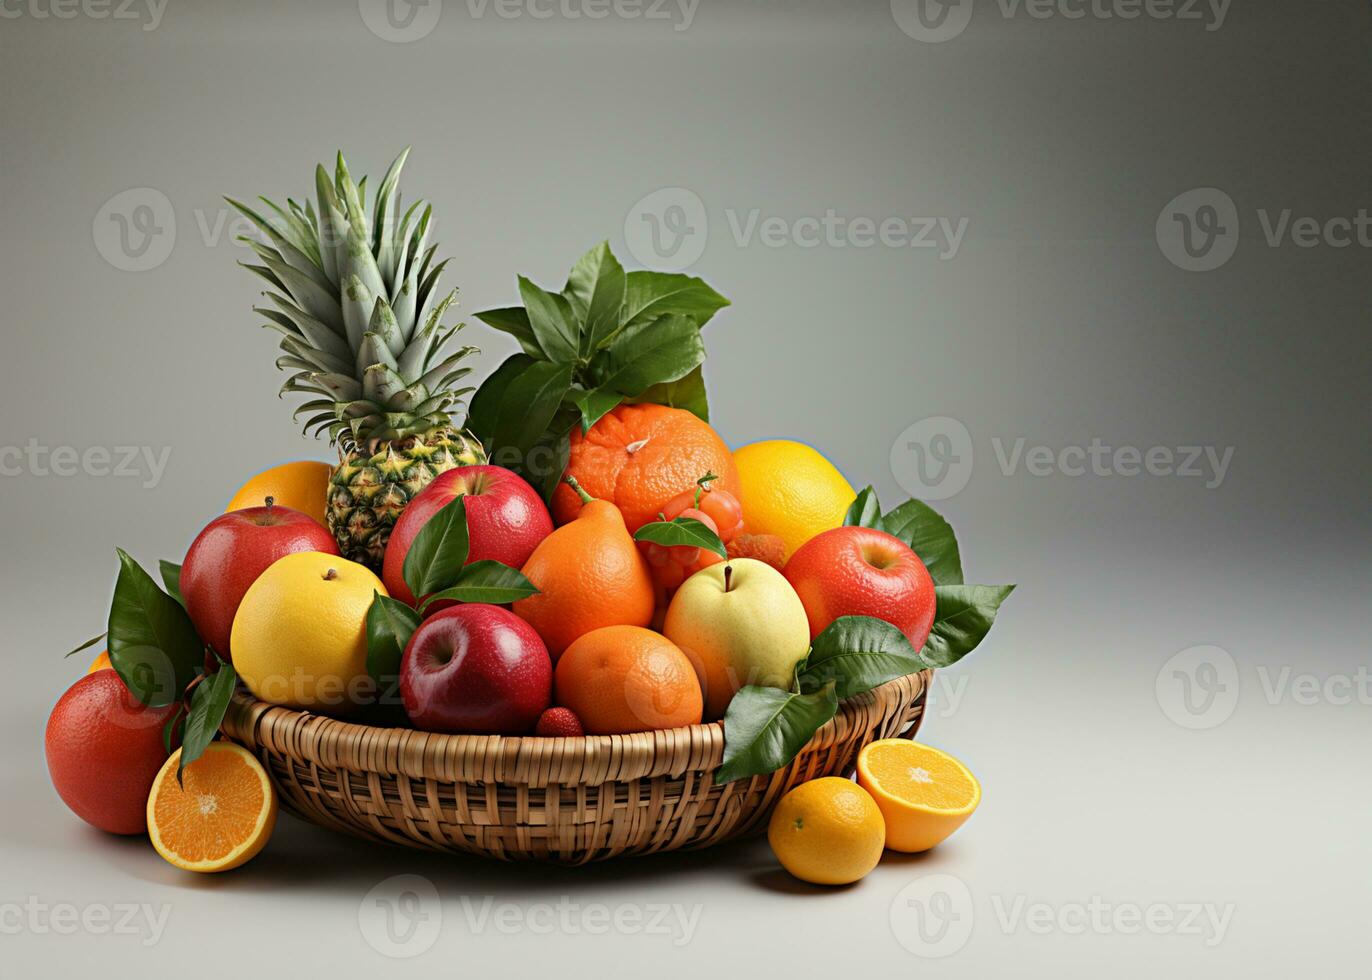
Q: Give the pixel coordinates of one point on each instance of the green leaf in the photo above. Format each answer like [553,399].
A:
[514,320]
[650,353]
[962,619]
[864,511]
[486,581]
[169,729]
[682,531]
[551,454]
[390,624]
[208,703]
[929,536]
[764,728]
[594,404]
[687,392]
[439,550]
[484,411]
[550,318]
[595,290]
[85,646]
[153,646]
[649,295]
[171,578]
[856,654]
[528,405]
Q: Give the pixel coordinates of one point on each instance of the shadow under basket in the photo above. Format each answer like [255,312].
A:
[571,800]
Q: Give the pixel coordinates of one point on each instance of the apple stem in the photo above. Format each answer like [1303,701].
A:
[330,575]
[728,575]
[271,502]
[586,498]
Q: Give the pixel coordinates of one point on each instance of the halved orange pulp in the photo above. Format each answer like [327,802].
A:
[924,794]
[219,817]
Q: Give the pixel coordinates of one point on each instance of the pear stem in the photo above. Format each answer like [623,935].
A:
[728,576]
[586,498]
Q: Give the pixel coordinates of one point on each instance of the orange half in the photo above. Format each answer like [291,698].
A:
[221,817]
[923,794]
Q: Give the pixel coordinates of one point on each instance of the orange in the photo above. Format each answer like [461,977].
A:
[101,662]
[589,574]
[302,486]
[827,832]
[638,457]
[923,793]
[621,679]
[219,817]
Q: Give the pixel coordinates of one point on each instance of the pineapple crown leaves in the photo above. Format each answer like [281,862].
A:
[354,294]
[608,337]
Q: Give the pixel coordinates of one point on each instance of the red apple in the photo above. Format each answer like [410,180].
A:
[228,555]
[476,668]
[506,519]
[860,571]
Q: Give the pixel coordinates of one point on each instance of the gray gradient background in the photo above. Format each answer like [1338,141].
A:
[1059,321]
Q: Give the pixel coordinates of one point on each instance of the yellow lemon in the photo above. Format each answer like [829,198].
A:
[300,635]
[790,490]
[827,831]
[924,794]
[302,486]
[219,817]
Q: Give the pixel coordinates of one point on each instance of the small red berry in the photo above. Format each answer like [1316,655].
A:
[559,723]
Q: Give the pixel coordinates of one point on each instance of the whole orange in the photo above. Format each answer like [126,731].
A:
[104,750]
[302,486]
[638,457]
[621,679]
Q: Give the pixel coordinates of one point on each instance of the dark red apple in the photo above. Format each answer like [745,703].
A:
[860,571]
[506,519]
[228,555]
[476,668]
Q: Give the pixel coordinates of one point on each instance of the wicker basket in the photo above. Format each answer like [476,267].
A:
[568,800]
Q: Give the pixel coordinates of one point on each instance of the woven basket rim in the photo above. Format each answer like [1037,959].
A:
[318,740]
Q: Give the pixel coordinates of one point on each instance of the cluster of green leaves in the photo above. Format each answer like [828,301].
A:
[608,337]
[765,727]
[155,650]
[435,569]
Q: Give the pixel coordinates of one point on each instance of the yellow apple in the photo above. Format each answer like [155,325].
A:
[741,623]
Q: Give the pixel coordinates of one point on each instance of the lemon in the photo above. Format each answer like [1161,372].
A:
[828,831]
[924,794]
[300,635]
[790,490]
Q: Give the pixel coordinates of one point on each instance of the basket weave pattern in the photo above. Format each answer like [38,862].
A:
[563,799]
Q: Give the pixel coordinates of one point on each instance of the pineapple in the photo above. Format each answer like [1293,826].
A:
[355,295]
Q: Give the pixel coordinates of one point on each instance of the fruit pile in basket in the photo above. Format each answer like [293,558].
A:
[583,556]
